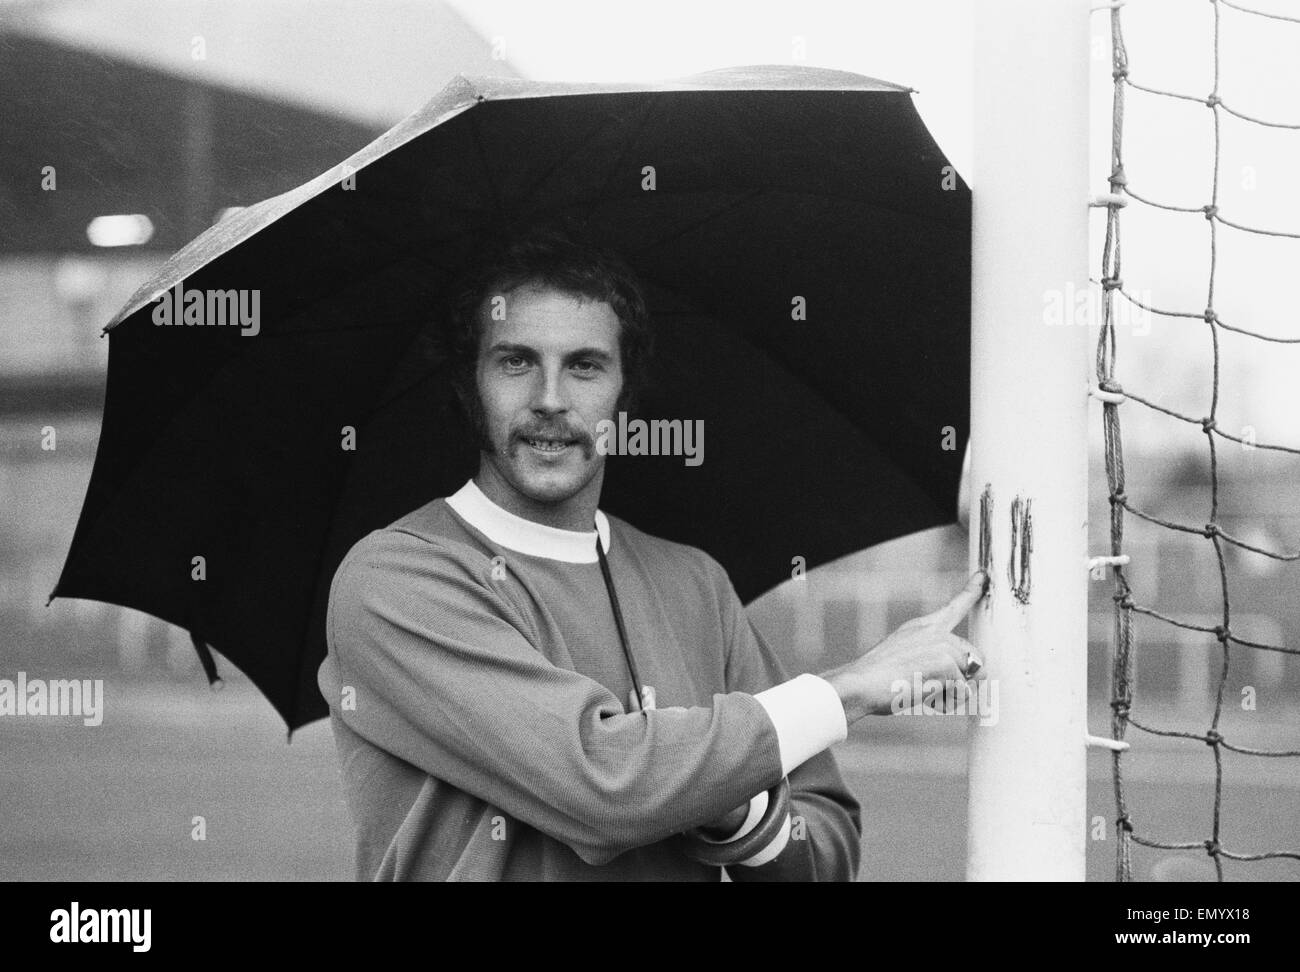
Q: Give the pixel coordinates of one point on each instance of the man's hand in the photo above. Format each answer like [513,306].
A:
[924,646]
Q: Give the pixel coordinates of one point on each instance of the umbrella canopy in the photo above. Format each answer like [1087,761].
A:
[806,254]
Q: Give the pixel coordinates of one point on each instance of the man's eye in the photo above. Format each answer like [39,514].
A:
[515,361]
[585,366]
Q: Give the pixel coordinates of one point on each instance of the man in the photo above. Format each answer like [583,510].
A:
[482,665]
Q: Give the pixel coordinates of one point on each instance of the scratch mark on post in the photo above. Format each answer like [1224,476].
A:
[986,531]
[1022,545]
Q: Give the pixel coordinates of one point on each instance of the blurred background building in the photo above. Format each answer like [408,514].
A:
[127,127]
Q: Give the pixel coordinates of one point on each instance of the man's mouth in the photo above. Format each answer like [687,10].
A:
[549,446]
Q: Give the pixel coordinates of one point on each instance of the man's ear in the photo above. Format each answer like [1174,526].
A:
[467,406]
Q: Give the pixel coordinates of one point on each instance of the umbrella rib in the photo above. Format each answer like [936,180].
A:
[375,409]
[487,171]
[720,211]
[647,111]
[596,130]
[642,121]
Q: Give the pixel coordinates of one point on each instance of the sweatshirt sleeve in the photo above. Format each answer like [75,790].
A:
[443,675]
[824,842]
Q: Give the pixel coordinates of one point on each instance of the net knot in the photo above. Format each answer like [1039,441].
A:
[1220,632]
[1210,315]
[1212,848]
[1123,600]
[1124,823]
[1208,424]
[1213,101]
[1111,385]
[1213,737]
[1118,178]
[1121,707]
[1210,210]
[1111,283]
[1119,498]
[1119,72]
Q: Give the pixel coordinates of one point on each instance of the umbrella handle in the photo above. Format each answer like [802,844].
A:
[725,853]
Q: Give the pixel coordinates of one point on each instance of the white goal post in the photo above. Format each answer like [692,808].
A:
[1029,411]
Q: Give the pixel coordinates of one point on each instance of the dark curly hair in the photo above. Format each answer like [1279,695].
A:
[562,257]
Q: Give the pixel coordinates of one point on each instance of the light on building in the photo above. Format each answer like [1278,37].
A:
[128,229]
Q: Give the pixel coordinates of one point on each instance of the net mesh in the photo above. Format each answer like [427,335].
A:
[1127,600]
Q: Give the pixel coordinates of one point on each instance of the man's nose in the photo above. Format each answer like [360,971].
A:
[549,395]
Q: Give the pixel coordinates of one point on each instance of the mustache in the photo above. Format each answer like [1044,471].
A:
[579,436]
[562,433]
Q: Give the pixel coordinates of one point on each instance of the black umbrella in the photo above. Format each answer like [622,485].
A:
[806,252]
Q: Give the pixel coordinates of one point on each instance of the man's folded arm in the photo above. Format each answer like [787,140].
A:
[444,677]
[823,841]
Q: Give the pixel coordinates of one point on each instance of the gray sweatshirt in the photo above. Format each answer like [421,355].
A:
[479,700]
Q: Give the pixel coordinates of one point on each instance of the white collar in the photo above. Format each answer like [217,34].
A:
[527,536]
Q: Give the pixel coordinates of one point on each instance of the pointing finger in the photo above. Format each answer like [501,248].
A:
[951,614]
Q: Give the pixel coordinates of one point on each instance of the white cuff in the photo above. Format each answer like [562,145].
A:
[808,716]
[774,848]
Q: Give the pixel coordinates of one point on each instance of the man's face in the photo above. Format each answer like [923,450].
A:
[548,372]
